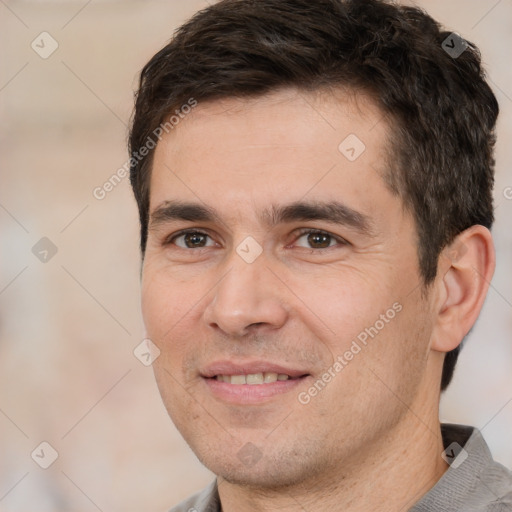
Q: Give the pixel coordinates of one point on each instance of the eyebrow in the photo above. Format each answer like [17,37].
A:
[330,211]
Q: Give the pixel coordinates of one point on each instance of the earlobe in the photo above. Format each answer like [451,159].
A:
[465,271]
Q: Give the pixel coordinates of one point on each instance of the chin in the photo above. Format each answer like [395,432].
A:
[263,478]
[271,471]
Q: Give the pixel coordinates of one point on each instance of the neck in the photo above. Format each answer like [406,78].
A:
[390,475]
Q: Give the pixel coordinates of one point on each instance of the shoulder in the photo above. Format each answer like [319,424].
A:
[503,503]
[490,488]
[474,482]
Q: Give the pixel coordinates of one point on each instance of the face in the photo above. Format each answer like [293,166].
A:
[289,313]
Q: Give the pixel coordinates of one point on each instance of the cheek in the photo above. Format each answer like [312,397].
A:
[341,304]
[153,305]
[165,298]
[375,325]
[166,307]
[393,360]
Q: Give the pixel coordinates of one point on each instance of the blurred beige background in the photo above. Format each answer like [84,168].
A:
[69,321]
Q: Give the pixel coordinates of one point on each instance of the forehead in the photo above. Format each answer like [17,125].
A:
[284,145]
[286,113]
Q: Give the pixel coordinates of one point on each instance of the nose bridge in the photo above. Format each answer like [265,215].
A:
[248,294]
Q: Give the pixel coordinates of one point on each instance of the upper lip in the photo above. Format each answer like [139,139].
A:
[249,367]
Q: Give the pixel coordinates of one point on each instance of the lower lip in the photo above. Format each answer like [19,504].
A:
[251,393]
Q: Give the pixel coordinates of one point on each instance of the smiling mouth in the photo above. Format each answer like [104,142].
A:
[257,383]
[255,378]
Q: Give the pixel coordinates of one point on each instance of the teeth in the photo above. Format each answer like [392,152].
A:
[270,377]
[252,378]
[238,379]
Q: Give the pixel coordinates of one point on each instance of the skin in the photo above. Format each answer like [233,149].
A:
[370,439]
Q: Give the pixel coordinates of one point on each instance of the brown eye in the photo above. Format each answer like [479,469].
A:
[190,240]
[316,239]
[319,240]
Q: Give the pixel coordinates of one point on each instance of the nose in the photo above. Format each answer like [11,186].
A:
[248,298]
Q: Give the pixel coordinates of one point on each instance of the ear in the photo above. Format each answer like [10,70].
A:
[465,270]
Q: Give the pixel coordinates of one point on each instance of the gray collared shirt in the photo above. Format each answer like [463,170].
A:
[474,482]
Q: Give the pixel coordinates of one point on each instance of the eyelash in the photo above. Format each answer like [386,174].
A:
[300,234]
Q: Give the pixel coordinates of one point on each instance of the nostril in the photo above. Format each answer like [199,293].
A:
[256,324]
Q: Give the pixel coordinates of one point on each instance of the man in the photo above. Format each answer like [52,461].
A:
[314,183]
